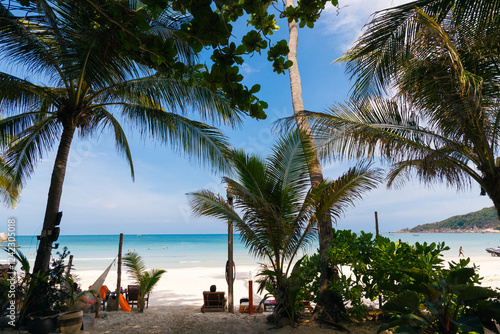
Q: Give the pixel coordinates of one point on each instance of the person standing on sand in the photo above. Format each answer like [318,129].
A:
[461,252]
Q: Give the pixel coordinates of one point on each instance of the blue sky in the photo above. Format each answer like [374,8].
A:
[99,196]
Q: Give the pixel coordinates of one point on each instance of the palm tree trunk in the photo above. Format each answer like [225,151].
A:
[492,188]
[329,302]
[53,200]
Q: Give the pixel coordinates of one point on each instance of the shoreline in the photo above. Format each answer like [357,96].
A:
[489,230]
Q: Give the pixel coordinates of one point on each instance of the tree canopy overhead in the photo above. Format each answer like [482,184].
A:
[203,25]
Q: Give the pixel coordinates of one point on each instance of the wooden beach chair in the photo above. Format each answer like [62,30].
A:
[214,301]
[132,295]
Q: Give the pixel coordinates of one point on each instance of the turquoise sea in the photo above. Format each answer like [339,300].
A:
[210,250]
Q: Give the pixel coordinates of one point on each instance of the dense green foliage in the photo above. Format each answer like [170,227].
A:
[203,25]
[370,267]
[276,210]
[40,294]
[418,292]
[482,219]
[452,303]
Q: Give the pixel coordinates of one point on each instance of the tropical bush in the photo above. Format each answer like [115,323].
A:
[450,304]
[370,267]
[39,294]
[145,279]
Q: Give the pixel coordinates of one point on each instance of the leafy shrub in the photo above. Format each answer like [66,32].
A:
[450,304]
[289,291]
[42,294]
[370,267]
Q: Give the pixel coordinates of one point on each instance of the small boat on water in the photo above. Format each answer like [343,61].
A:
[494,251]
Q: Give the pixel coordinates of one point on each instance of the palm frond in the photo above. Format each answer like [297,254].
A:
[150,279]
[9,190]
[135,265]
[30,145]
[178,95]
[377,57]
[342,193]
[198,140]
[105,118]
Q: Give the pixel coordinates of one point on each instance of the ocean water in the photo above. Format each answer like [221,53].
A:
[92,252]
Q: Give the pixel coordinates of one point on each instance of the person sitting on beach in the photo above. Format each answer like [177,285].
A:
[102,295]
[213,288]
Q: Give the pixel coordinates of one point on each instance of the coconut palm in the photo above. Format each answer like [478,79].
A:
[390,38]
[80,79]
[276,209]
[443,122]
[328,301]
[145,279]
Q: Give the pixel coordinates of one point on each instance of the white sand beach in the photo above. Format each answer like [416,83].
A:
[175,304]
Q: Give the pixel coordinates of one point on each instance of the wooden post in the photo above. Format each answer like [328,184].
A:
[250,295]
[70,263]
[376,234]
[119,273]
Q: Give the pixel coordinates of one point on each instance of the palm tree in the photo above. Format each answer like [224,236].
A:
[279,207]
[90,83]
[145,279]
[328,302]
[443,121]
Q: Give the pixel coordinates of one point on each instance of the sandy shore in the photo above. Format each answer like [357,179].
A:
[175,304]
[185,286]
[189,319]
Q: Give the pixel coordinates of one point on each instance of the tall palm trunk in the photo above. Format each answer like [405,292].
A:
[492,188]
[53,200]
[329,302]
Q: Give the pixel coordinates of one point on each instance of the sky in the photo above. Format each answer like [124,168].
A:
[99,196]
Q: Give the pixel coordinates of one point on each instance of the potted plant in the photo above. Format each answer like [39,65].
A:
[43,294]
[71,320]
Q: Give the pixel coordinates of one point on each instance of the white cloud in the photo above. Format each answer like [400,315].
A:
[347,22]
[247,69]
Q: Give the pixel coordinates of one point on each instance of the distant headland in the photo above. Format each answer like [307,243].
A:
[482,221]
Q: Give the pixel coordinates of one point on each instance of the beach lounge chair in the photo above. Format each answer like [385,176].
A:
[214,301]
[132,295]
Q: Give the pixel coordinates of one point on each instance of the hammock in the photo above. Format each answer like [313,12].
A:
[98,283]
